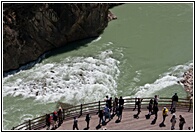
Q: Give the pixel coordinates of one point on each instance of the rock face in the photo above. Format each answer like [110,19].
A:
[29,30]
[188,81]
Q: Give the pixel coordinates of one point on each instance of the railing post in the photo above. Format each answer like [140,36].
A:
[81,109]
[99,105]
[63,114]
[29,124]
[46,119]
[190,104]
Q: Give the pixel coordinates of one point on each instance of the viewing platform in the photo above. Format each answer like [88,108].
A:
[128,122]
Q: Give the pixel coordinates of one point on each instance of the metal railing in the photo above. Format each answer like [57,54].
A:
[93,108]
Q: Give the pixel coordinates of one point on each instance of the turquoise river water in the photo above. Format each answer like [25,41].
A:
[142,53]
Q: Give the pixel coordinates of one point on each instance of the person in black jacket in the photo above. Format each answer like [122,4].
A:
[138,102]
[119,111]
[100,114]
[155,100]
[107,100]
[110,104]
[54,117]
[121,101]
[60,116]
[174,102]
[150,107]
[88,120]
[182,122]
[155,112]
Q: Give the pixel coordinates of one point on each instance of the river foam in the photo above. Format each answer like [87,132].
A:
[74,80]
[165,80]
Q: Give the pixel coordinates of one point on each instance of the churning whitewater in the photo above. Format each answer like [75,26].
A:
[166,79]
[142,53]
[75,79]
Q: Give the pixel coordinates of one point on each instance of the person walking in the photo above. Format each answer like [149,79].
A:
[173,122]
[119,112]
[101,120]
[155,111]
[150,109]
[164,113]
[75,124]
[138,103]
[182,122]
[88,117]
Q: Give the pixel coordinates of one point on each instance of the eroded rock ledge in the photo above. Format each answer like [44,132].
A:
[31,29]
[188,81]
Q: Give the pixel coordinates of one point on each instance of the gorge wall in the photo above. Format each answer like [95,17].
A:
[30,29]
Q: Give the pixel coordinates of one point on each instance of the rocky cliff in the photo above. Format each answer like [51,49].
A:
[188,81]
[30,29]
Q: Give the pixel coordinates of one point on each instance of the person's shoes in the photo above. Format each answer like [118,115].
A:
[162,125]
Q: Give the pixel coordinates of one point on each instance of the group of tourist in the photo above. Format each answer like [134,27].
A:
[153,109]
[111,109]
[51,119]
[116,106]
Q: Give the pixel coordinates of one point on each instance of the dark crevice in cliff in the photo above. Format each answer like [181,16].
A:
[31,29]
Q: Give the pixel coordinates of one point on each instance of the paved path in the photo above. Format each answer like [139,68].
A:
[130,123]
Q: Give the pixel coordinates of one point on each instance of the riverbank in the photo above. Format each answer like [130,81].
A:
[51,33]
[43,28]
[188,81]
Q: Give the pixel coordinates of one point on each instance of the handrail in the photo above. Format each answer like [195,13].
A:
[93,107]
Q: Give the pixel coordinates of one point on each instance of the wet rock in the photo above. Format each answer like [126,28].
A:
[52,71]
[37,93]
[188,81]
[111,16]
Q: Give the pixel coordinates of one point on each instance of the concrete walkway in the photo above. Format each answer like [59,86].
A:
[130,123]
